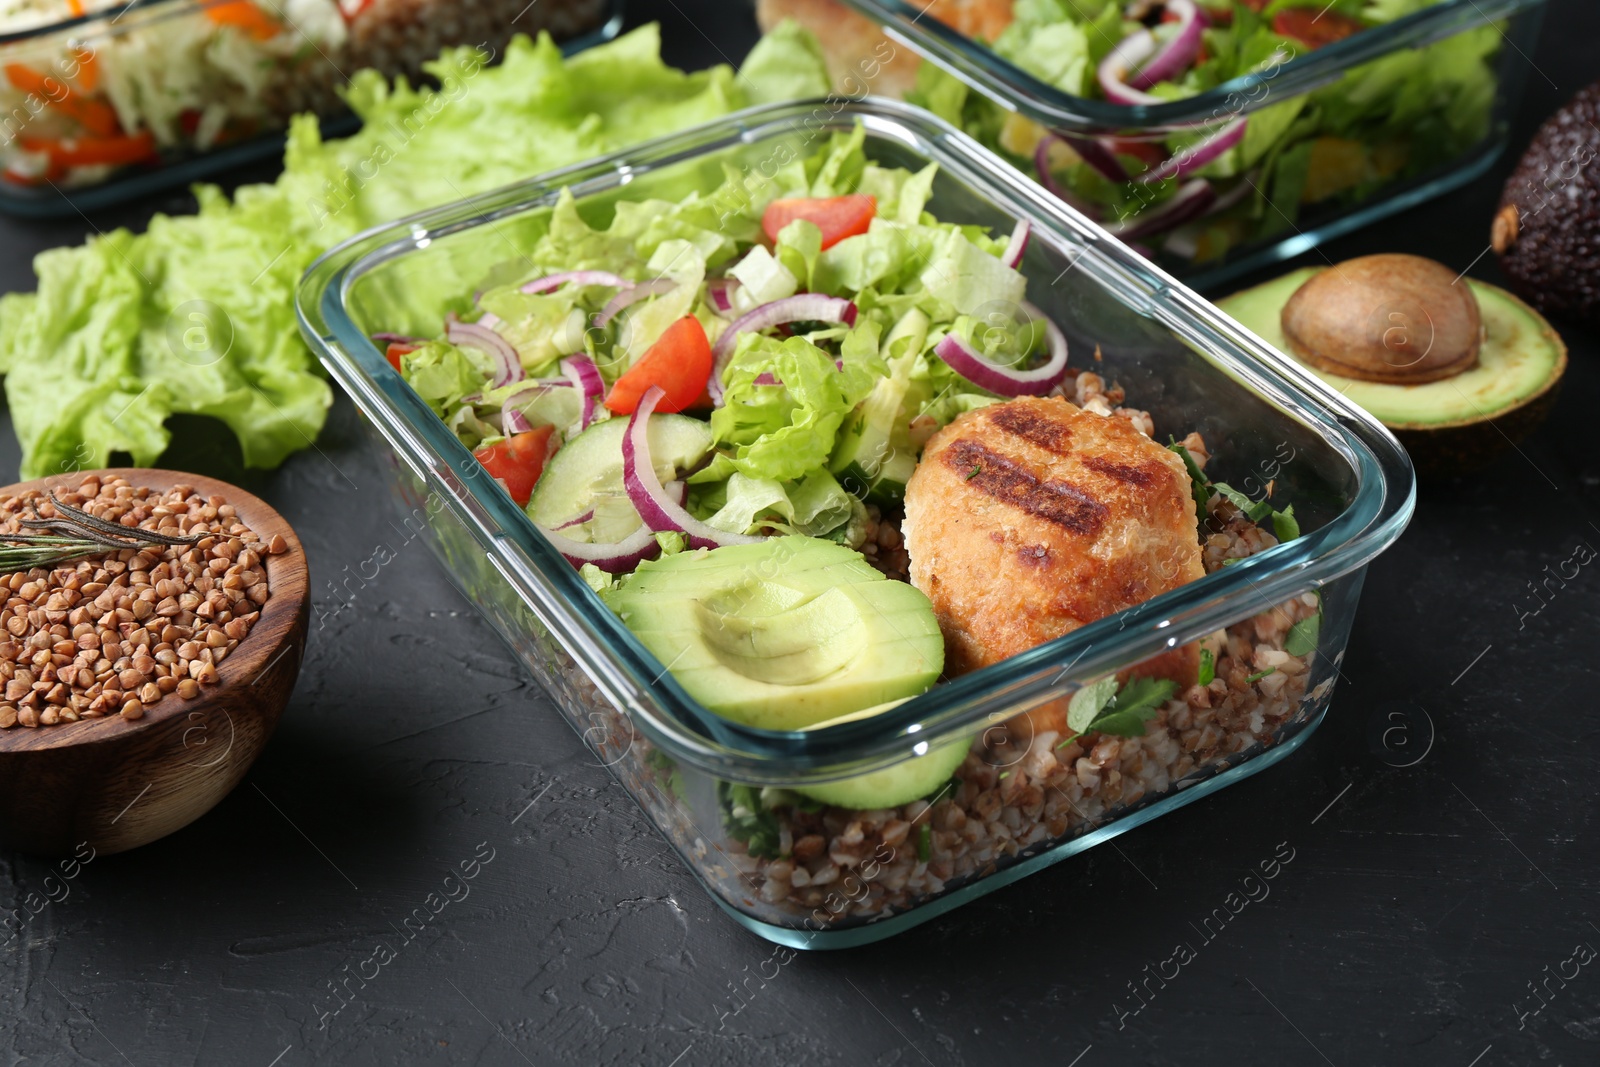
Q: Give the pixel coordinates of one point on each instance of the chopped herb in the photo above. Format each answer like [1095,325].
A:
[1285,525]
[974,472]
[1138,702]
[1254,678]
[746,819]
[1198,483]
[1208,667]
[1254,510]
[1067,741]
[1003,776]
[924,842]
[1303,635]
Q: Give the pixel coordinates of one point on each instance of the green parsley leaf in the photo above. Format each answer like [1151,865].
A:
[1198,482]
[1138,702]
[1208,666]
[1303,635]
[1285,525]
[1254,510]
[1089,702]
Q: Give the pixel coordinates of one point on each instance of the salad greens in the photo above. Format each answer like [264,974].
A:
[1382,122]
[788,400]
[196,315]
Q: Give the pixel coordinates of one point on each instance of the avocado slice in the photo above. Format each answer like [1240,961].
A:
[892,786]
[784,633]
[1457,422]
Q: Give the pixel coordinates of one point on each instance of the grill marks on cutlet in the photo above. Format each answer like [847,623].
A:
[1034,426]
[1143,476]
[1009,482]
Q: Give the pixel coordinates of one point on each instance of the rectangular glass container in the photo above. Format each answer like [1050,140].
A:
[717,789]
[1395,158]
[120,101]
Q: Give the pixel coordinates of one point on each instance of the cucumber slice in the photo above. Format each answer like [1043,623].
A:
[586,475]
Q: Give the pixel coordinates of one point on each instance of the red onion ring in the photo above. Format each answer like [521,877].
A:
[1192,200]
[579,521]
[658,510]
[508,365]
[513,421]
[576,277]
[1179,53]
[397,339]
[720,293]
[581,372]
[1197,155]
[1017,246]
[1097,154]
[806,307]
[1005,381]
[1112,74]
[632,295]
[613,558]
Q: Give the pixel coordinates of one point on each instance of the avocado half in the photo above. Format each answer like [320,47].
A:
[1455,423]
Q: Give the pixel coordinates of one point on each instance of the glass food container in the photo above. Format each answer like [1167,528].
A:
[103,101]
[1332,138]
[720,792]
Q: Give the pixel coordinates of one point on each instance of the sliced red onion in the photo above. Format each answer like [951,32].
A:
[397,339]
[632,295]
[489,320]
[1113,71]
[1097,154]
[806,307]
[507,364]
[613,558]
[1041,163]
[1176,56]
[677,490]
[579,521]
[1007,381]
[1017,246]
[576,277]
[1192,200]
[658,510]
[1191,159]
[766,377]
[513,421]
[720,292]
[581,372]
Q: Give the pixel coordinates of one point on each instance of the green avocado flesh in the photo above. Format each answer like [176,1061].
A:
[1519,359]
[901,784]
[782,634]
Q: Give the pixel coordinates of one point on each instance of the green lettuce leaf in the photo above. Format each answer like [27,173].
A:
[196,315]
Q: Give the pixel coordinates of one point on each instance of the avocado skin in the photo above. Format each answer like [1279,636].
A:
[1446,449]
[1552,253]
[1453,450]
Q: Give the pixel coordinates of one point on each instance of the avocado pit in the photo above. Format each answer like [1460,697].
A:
[1396,319]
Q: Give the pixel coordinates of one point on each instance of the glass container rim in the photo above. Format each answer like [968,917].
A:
[634,681]
[1014,89]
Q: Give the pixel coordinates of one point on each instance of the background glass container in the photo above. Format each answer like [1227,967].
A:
[153,94]
[707,783]
[1365,177]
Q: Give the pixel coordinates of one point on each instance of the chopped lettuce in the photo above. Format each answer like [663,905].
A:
[196,315]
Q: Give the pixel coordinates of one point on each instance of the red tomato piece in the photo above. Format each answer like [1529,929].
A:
[1150,153]
[837,217]
[1314,28]
[518,461]
[679,362]
[395,351]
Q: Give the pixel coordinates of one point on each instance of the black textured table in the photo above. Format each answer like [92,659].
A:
[1420,907]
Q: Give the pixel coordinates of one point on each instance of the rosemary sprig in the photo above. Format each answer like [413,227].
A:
[76,534]
[113,534]
[50,552]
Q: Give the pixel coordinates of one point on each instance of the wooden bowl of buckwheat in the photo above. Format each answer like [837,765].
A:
[151,630]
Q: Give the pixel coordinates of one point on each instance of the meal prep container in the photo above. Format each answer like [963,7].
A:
[248,66]
[702,779]
[1278,231]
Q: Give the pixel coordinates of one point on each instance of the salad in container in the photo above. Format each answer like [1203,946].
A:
[1212,135]
[887,531]
[110,91]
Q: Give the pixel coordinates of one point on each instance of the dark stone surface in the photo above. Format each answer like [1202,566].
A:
[1420,903]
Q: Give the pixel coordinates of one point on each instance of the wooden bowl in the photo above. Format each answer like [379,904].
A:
[117,784]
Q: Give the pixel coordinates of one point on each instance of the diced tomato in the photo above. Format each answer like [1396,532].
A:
[94,151]
[189,121]
[395,351]
[246,17]
[837,217]
[518,461]
[679,362]
[1314,28]
[1257,6]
